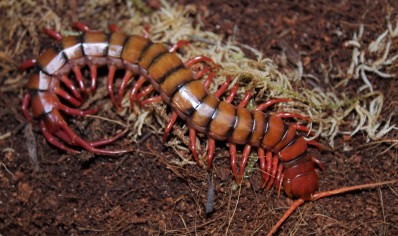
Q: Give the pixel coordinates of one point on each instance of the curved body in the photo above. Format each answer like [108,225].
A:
[188,97]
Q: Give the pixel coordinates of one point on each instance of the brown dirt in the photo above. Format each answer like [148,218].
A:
[143,193]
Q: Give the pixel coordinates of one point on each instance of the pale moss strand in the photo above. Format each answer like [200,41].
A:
[331,114]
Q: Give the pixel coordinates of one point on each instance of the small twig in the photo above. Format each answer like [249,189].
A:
[90,229]
[382,209]
[32,146]
[106,119]
[5,136]
[234,211]
[210,196]
[5,167]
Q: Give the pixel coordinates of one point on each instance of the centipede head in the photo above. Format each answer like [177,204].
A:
[300,179]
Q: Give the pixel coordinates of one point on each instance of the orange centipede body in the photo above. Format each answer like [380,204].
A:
[282,150]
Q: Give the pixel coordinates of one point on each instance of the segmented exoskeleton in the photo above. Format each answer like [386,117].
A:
[281,149]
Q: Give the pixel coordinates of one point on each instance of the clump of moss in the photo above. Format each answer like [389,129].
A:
[331,114]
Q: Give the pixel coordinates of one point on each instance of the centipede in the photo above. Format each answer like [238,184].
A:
[282,148]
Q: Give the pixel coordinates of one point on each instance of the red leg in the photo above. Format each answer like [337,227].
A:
[69,84]
[27,64]
[109,83]
[178,45]
[232,93]
[263,163]
[64,136]
[52,33]
[311,133]
[318,162]
[303,128]
[147,90]
[113,28]
[79,141]
[269,103]
[273,172]
[232,147]
[267,170]
[318,145]
[133,95]
[127,76]
[80,79]
[151,100]
[76,112]
[62,93]
[93,76]
[146,32]
[243,162]
[232,154]
[279,179]
[203,71]
[211,143]
[268,158]
[223,87]
[198,59]
[209,79]
[25,105]
[245,99]
[80,26]
[169,125]
[51,139]
[292,115]
[192,146]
